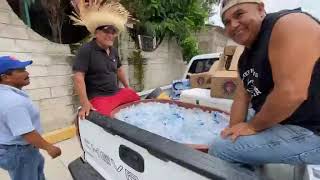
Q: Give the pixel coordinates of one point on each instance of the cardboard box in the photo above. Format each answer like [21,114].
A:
[235,58]
[229,60]
[224,84]
[229,50]
[221,63]
[223,70]
[203,80]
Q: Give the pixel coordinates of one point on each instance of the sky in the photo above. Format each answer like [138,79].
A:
[311,6]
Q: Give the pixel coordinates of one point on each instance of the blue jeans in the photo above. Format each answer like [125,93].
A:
[286,144]
[22,162]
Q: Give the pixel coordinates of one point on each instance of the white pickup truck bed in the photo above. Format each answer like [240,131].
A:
[118,151]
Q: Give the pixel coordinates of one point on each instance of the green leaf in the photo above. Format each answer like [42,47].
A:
[175,18]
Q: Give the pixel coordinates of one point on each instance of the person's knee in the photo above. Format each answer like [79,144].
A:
[219,147]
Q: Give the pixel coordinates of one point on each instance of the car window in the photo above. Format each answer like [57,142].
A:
[201,65]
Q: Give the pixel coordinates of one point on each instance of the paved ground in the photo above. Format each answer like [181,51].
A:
[57,169]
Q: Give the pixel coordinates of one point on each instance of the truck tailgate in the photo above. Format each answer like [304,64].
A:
[120,151]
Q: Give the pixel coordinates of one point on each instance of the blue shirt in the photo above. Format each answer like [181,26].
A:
[18,116]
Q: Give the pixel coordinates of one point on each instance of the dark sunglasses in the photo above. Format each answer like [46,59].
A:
[108,29]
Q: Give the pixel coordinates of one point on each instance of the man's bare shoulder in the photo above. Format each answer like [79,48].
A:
[297,27]
[297,22]
[295,40]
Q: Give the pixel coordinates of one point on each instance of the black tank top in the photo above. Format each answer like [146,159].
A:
[255,72]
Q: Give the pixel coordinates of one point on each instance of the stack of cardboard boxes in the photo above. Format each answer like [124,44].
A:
[225,80]
[222,78]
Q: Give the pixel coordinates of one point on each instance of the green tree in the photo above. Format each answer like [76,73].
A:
[55,11]
[177,18]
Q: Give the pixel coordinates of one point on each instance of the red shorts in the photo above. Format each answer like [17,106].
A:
[105,104]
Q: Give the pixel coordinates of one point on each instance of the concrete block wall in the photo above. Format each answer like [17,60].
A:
[212,39]
[51,86]
[163,65]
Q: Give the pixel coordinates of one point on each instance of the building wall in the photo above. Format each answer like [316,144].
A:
[165,64]
[51,83]
[212,39]
[162,66]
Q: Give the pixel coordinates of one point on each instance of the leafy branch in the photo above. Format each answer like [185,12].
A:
[178,19]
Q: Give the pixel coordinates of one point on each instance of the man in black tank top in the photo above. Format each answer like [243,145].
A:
[280,71]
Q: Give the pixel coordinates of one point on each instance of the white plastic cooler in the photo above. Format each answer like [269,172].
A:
[202,97]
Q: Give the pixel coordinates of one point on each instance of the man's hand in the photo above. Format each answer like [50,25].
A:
[85,110]
[240,129]
[53,151]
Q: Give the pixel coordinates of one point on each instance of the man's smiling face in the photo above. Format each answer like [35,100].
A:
[243,22]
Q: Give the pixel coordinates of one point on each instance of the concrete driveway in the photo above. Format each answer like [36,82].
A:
[57,168]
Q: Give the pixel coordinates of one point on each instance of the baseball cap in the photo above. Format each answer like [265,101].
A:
[10,63]
[227,4]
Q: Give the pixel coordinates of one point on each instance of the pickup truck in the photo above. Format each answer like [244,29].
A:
[115,150]
[198,64]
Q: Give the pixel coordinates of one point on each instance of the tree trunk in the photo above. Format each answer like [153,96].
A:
[54,32]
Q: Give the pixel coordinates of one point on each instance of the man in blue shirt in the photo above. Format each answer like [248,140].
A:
[20,128]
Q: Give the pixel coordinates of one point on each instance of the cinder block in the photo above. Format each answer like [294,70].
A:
[38,94]
[55,48]
[55,102]
[49,81]
[40,59]
[56,70]
[15,20]
[35,36]
[60,80]
[4,5]
[20,56]
[15,32]
[4,17]
[31,46]
[35,70]
[62,59]
[61,91]
[7,45]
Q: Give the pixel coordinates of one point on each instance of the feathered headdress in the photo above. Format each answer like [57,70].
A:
[96,13]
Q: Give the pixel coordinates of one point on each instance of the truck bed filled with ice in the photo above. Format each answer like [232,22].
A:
[188,126]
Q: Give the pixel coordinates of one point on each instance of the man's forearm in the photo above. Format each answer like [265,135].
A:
[122,77]
[277,108]
[239,108]
[124,82]
[239,111]
[36,140]
[81,90]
